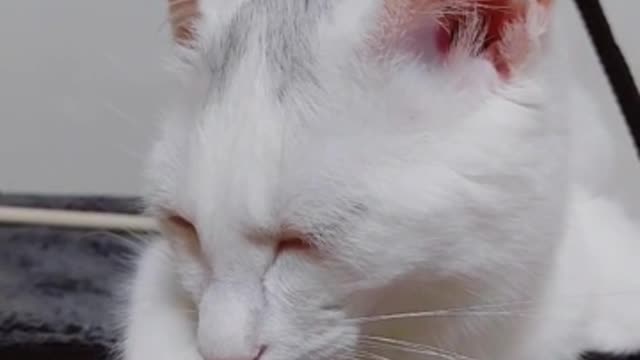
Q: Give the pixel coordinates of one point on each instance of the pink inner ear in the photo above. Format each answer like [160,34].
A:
[493,29]
[496,16]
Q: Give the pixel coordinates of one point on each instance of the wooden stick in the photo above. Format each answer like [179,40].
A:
[76,219]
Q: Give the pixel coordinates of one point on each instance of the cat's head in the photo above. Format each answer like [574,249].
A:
[328,160]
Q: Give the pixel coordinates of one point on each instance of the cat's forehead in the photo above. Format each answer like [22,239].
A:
[276,36]
[276,111]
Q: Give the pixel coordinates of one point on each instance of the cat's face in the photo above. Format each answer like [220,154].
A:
[309,176]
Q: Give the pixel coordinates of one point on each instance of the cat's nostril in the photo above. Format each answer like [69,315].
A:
[261,352]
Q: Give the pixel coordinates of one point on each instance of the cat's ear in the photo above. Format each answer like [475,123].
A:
[182,15]
[505,32]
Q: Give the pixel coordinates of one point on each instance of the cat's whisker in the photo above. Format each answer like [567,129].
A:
[358,356]
[131,236]
[371,356]
[436,313]
[119,114]
[422,352]
[340,351]
[520,308]
[409,346]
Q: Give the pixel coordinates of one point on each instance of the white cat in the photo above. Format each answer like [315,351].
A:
[381,179]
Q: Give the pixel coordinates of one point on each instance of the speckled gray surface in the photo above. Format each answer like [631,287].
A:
[59,285]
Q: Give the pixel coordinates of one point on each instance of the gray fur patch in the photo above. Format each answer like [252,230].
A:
[282,30]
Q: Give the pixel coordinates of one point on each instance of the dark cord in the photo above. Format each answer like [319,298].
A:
[614,64]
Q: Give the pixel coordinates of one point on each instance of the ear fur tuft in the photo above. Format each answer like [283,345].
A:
[182,14]
[504,32]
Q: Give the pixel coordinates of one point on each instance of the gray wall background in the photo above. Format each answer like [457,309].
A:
[81,82]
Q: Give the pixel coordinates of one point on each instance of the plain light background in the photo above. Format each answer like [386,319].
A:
[82,83]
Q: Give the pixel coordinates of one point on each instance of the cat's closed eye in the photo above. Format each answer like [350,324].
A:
[293,243]
[182,231]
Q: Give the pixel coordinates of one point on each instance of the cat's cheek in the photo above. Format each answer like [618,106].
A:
[195,287]
[192,277]
[190,267]
[292,333]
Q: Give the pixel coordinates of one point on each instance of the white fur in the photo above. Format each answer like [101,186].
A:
[425,188]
